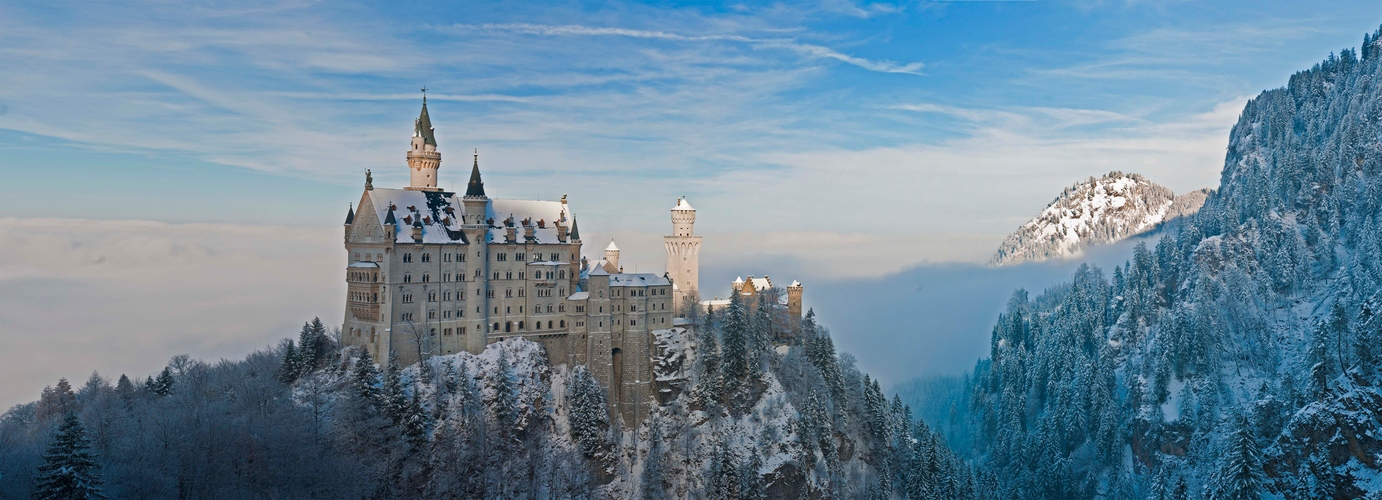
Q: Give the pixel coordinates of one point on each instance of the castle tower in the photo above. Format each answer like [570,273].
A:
[794,306]
[683,254]
[423,158]
[612,255]
[476,227]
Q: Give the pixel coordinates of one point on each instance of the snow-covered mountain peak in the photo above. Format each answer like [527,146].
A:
[1095,211]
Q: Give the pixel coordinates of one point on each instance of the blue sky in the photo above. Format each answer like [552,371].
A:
[823,140]
[955,120]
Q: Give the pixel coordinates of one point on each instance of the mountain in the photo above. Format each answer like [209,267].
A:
[1238,356]
[1093,212]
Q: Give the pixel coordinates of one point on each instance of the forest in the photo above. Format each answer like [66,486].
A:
[310,419]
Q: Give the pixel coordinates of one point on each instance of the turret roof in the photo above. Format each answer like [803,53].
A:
[612,246]
[350,214]
[423,127]
[683,205]
[476,187]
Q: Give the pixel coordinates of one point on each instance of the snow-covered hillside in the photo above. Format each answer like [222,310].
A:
[1093,212]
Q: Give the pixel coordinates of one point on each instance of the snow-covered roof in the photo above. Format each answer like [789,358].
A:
[363,264]
[683,205]
[795,283]
[637,279]
[439,213]
[579,296]
[611,247]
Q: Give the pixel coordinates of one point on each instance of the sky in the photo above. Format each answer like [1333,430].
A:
[173,175]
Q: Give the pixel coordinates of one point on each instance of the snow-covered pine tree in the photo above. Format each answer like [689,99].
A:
[736,346]
[651,484]
[288,371]
[162,385]
[1240,471]
[709,376]
[588,414]
[722,480]
[504,403]
[68,472]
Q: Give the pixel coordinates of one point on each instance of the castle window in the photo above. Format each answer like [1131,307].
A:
[508,275]
[508,326]
[407,298]
[446,332]
[407,257]
[520,275]
[446,295]
[520,325]
[432,296]
[427,257]
[407,278]
[432,315]
[602,308]
[496,309]
[520,308]
[426,278]
[518,257]
[562,291]
[460,331]
[375,298]
[496,275]
[602,324]
[633,308]
[446,314]
[490,294]
[563,323]
[446,257]
[496,327]
[460,294]
[561,307]
[556,256]
[502,257]
[633,322]
[508,309]
[580,309]
[477,274]
[521,292]
[508,293]
[460,313]
[549,325]
[375,278]
[446,277]
[460,257]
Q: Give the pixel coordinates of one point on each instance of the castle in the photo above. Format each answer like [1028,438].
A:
[433,273]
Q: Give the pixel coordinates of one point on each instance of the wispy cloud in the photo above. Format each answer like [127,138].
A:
[805,49]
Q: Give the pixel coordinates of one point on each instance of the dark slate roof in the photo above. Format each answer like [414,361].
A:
[424,126]
[476,186]
[575,231]
[350,215]
[390,219]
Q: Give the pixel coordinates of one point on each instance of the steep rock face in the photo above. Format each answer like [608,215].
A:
[1093,212]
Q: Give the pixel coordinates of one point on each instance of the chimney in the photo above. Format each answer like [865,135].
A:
[561,232]
[510,234]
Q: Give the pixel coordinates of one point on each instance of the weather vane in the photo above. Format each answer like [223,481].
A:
[424,93]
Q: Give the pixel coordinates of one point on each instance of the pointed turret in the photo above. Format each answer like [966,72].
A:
[575,231]
[422,127]
[423,157]
[350,215]
[476,187]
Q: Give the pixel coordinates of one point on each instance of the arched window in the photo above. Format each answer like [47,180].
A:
[426,278]
[407,278]
[521,292]
[520,325]
[561,274]
[561,307]
[508,326]
[563,323]
[549,324]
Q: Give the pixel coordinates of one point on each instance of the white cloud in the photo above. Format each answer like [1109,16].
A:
[814,51]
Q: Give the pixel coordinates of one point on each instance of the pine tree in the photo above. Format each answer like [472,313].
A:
[68,471]
[288,371]
[710,380]
[163,384]
[505,402]
[736,345]
[363,381]
[722,481]
[56,402]
[588,414]
[651,483]
[1240,473]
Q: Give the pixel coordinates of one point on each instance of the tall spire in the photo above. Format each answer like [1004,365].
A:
[423,125]
[476,186]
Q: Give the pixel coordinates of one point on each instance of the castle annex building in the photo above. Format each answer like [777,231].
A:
[433,272]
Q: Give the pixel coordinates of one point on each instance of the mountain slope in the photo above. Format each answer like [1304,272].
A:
[1239,355]
[1092,212]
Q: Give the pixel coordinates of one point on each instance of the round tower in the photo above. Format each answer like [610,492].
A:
[423,158]
[612,254]
[683,254]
